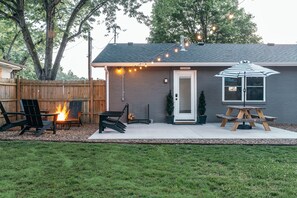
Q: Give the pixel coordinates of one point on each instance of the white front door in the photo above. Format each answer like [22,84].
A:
[185,96]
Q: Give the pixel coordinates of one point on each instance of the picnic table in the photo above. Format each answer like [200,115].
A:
[244,115]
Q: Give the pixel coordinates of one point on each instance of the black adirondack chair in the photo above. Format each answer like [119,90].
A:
[111,119]
[75,112]
[34,118]
[8,123]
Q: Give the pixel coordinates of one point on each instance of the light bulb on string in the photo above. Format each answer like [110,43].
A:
[159,59]
[176,50]
[167,55]
[230,16]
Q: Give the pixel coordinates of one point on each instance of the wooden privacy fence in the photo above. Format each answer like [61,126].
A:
[52,93]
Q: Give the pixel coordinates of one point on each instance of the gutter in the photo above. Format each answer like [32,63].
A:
[189,64]
[107,87]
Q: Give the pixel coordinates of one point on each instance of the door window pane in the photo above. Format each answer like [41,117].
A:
[184,95]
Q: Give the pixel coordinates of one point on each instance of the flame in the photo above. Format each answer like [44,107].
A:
[63,112]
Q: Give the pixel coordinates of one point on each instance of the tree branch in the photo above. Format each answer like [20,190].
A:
[6,15]
[66,37]
[8,5]
[11,44]
[85,19]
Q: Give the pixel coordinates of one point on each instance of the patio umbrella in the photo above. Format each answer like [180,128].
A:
[246,69]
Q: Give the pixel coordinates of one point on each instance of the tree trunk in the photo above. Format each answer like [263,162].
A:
[50,34]
[27,38]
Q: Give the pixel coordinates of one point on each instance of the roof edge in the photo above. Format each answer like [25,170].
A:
[190,64]
[11,65]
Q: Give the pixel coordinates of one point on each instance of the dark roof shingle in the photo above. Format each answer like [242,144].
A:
[121,53]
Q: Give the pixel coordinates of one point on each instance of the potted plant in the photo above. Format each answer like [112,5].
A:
[169,108]
[201,109]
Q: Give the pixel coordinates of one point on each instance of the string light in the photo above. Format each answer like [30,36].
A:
[199,37]
[230,16]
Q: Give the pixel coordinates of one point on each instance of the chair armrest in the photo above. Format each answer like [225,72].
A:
[15,113]
[112,113]
[49,114]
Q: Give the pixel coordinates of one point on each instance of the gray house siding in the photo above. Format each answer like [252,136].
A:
[147,87]
[141,88]
[281,95]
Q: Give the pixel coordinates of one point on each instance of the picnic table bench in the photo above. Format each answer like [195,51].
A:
[267,118]
[244,115]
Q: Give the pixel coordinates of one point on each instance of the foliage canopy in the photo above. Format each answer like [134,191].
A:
[209,21]
[48,25]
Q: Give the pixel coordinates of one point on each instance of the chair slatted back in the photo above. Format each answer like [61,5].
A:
[4,113]
[32,112]
[74,107]
[123,111]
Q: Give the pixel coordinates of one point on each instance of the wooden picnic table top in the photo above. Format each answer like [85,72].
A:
[244,107]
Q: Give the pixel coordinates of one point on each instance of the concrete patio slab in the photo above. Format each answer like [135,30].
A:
[207,131]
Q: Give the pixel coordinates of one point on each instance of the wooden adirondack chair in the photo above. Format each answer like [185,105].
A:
[34,118]
[75,107]
[111,119]
[10,124]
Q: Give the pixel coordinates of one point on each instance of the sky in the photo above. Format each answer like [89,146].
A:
[275,20]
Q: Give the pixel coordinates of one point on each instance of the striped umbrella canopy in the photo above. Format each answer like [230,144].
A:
[246,69]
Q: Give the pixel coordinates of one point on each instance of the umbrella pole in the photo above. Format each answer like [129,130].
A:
[243,125]
[244,89]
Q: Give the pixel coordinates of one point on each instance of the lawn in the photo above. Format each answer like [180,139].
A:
[39,169]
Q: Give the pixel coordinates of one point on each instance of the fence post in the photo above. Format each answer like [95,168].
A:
[91,105]
[18,92]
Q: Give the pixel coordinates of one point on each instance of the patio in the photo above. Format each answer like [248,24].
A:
[211,131]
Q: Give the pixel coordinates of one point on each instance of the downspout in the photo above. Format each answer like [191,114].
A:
[107,87]
[123,86]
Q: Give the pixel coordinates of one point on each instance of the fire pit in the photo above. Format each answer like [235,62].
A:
[62,122]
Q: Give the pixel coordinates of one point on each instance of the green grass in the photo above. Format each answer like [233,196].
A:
[38,169]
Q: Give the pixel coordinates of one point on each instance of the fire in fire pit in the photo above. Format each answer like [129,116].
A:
[63,112]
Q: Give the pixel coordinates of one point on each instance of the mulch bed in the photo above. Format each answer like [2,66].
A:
[81,134]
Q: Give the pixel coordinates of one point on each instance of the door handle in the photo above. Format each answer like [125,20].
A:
[176,96]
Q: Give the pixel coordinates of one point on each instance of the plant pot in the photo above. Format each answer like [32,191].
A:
[202,119]
[169,119]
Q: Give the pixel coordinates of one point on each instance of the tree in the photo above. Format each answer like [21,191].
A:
[210,21]
[55,23]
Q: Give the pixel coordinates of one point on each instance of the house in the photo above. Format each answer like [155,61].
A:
[8,69]
[141,74]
